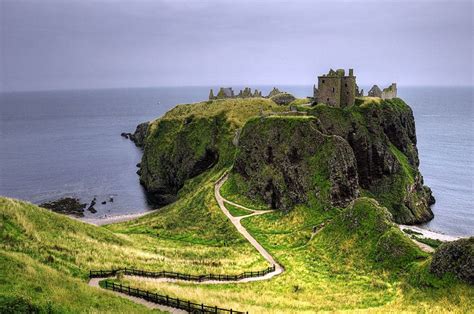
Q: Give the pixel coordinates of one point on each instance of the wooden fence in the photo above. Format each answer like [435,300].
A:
[166,300]
[178,276]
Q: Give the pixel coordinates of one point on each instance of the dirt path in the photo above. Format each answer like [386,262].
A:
[236,221]
[94,282]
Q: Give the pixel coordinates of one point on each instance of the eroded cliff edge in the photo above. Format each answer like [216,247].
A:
[319,154]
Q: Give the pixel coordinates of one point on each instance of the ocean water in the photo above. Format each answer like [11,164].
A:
[67,143]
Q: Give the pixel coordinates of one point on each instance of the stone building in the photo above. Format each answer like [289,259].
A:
[390,92]
[387,93]
[375,91]
[336,89]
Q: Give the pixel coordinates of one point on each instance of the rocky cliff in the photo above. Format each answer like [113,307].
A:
[329,156]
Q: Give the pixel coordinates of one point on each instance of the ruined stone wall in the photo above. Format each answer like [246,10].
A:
[348,91]
[390,92]
[329,90]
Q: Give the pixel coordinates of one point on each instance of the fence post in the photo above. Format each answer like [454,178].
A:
[167,300]
[230,311]
[177,303]
[202,307]
[215,311]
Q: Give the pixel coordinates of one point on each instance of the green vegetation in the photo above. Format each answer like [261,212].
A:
[434,243]
[357,259]
[235,189]
[236,211]
[29,286]
[339,268]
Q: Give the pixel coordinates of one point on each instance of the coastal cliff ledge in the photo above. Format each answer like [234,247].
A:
[282,157]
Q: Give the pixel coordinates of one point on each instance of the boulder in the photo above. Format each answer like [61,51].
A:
[455,257]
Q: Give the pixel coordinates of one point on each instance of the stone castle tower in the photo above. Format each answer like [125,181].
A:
[336,89]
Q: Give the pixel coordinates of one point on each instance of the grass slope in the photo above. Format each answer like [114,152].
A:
[357,262]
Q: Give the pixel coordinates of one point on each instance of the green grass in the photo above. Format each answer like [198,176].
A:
[358,261]
[236,211]
[339,269]
[27,285]
[434,243]
[234,189]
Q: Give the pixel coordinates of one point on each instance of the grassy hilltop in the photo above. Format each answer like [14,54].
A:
[359,260]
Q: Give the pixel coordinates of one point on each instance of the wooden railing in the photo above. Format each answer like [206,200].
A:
[166,300]
[177,303]
[178,276]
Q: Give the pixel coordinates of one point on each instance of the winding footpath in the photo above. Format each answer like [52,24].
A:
[236,221]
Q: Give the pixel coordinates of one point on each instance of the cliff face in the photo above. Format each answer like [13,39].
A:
[330,156]
[382,136]
[286,161]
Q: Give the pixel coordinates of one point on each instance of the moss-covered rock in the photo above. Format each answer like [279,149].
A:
[283,99]
[326,156]
[457,258]
[382,136]
[191,139]
[286,160]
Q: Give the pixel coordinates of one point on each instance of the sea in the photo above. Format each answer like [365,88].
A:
[56,144]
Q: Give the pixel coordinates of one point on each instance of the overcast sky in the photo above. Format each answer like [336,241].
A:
[69,44]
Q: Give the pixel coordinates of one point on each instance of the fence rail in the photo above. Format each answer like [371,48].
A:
[179,276]
[186,305]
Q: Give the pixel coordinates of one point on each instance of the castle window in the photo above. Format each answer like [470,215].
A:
[328,99]
[347,93]
[345,85]
[333,89]
[322,81]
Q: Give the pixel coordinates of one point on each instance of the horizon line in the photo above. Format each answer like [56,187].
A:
[207,86]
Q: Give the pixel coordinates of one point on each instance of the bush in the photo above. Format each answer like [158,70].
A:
[455,257]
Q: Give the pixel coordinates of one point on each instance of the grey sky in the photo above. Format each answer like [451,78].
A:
[71,44]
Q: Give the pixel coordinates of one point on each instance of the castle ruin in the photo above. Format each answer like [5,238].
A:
[387,93]
[336,89]
[228,92]
[340,90]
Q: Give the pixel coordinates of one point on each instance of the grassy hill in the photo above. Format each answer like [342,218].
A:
[357,260]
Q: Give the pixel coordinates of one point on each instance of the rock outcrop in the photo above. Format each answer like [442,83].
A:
[67,206]
[330,155]
[287,161]
[457,258]
[283,99]
[383,139]
[138,137]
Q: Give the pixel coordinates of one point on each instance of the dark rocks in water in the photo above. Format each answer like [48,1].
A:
[104,202]
[139,172]
[138,165]
[455,257]
[67,206]
[91,206]
[126,135]
[138,137]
